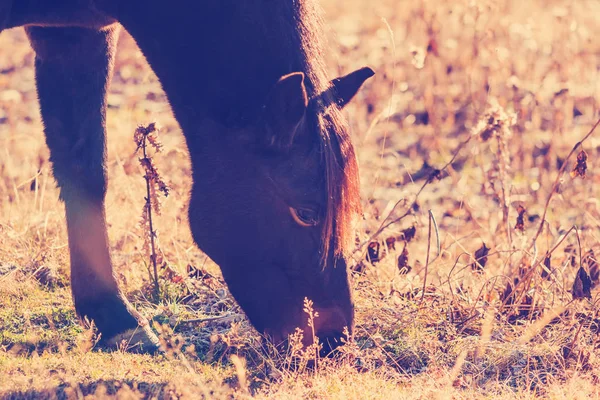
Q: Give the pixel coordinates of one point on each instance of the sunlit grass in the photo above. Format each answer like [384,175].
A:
[473,333]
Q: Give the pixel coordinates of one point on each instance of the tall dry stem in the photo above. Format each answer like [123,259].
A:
[496,123]
[142,137]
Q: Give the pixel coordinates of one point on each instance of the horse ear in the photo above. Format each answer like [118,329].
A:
[285,109]
[345,87]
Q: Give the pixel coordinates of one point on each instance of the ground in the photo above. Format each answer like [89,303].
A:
[469,133]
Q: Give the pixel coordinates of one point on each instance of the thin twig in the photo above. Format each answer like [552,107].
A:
[556,181]
[427,257]
[152,234]
[579,245]
[437,236]
[221,318]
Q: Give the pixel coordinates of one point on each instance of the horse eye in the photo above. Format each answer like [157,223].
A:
[305,216]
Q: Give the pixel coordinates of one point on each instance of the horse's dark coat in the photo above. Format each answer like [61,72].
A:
[275,176]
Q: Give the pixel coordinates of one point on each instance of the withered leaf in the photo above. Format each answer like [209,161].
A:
[561,92]
[403,266]
[460,289]
[548,267]
[487,133]
[391,243]
[432,47]
[171,275]
[581,166]
[373,253]
[435,174]
[526,307]
[141,134]
[480,258]
[360,268]
[47,276]
[508,296]
[34,183]
[573,260]
[199,273]
[194,272]
[408,234]
[582,285]
[151,128]
[520,226]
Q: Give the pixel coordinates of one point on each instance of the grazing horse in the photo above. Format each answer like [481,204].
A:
[275,178]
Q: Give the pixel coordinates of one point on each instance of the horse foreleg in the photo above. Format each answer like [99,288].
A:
[73,68]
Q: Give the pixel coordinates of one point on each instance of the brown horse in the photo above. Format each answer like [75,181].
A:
[275,176]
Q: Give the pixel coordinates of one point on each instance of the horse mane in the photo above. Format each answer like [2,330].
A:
[341,182]
[338,158]
[295,38]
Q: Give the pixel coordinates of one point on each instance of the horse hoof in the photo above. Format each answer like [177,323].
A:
[140,340]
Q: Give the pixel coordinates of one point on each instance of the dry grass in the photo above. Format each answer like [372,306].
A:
[434,131]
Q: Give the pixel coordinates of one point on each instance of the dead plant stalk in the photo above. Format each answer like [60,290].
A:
[143,136]
[152,233]
[557,180]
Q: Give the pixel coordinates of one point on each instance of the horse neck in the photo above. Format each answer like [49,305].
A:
[277,38]
[243,48]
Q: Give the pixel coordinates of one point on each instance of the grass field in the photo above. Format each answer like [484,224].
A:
[467,133]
